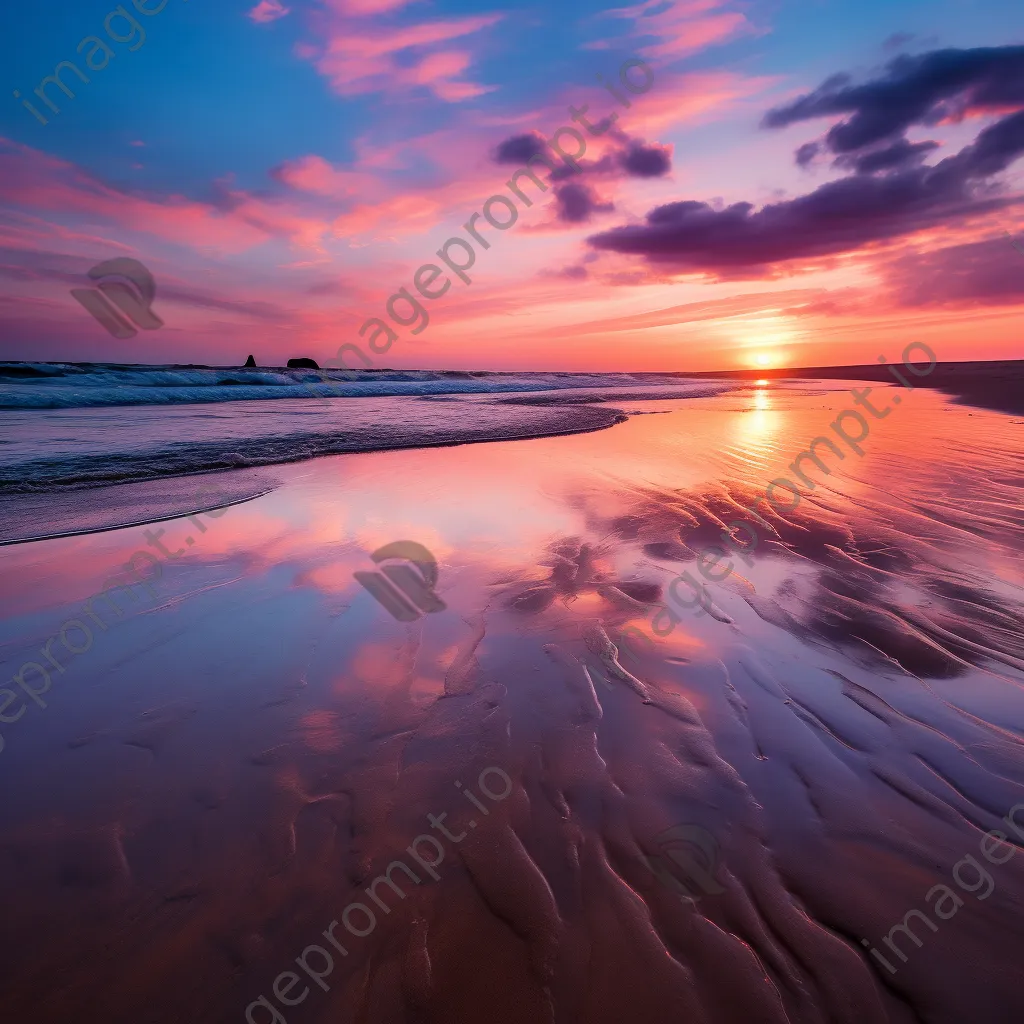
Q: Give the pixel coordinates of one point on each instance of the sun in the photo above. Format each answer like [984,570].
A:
[765,359]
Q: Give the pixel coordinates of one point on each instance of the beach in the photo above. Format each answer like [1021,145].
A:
[722,820]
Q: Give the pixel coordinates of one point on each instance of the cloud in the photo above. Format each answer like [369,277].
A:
[627,157]
[578,202]
[891,193]
[640,160]
[900,153]
[314,174]
[364,7]
[806,153]
[673,30]
[575,272]
[769,304]
[987,273]
[268,10]
[33,265]
[898,40]
[363,55]
[926,89]
[238,221]
[840,216]
[520,148]
[401,214]
[575,201]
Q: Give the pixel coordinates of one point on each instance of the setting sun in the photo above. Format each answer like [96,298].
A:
[765,359]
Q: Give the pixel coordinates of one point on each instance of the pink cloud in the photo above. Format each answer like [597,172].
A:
[402,214]
[677,99]
[683,28]
[362,7]
[268,10]
[360,55]
[35,181]
[462,173]
[314,174]
[439,72]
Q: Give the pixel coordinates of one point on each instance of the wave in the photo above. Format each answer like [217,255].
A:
[93,385]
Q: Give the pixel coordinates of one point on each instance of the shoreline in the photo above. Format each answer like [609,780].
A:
[601,418]
[110,503]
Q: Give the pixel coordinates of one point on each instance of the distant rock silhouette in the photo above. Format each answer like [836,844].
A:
[250,361]
[303,364]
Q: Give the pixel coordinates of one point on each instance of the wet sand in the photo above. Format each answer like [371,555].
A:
[993,384]
[706,827]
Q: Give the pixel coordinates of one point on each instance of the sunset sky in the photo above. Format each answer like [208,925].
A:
[803,183]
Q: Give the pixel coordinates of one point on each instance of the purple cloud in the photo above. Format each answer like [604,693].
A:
[578,202]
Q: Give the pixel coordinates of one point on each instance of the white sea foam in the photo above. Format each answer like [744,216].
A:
[76,386]
[72,426]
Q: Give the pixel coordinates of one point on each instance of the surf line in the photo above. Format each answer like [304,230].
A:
[135,578]
[712,572]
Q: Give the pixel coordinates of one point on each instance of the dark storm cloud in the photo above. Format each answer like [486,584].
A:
[914,90]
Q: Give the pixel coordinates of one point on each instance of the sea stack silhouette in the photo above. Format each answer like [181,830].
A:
[250,361]
[303,363]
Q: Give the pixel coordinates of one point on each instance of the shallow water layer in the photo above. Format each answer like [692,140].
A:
[160,430]
[717,824]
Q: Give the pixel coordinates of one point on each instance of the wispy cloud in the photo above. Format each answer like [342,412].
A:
[363,53]
[683,27]
[31,180]
[268,10]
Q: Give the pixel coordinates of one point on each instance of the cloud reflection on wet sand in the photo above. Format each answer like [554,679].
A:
[256,748]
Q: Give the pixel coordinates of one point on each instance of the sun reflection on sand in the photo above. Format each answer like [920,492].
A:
[759,427]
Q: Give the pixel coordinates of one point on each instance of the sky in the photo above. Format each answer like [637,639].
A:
[785,183]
